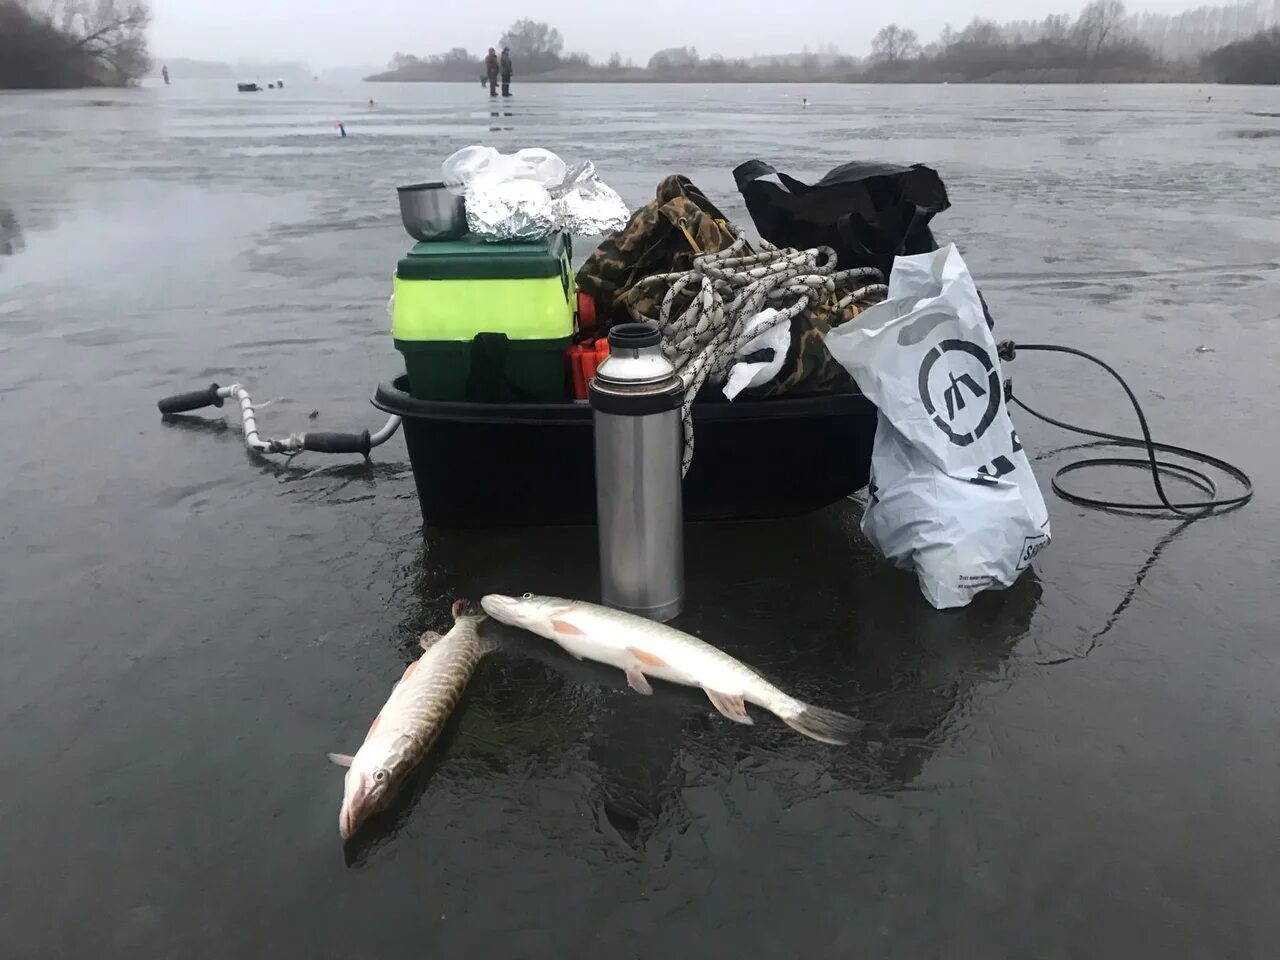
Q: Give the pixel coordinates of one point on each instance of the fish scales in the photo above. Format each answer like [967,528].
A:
[643,649]
[410,721]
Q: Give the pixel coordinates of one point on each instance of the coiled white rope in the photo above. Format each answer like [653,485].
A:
[732,288]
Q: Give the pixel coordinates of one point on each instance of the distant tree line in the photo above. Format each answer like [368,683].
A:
[1100,44]
[537,50]
[1177,37]
[72,43]
[1253,60]
[1092,47]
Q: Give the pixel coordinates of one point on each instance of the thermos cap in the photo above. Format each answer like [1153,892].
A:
[635,359]
[633,336]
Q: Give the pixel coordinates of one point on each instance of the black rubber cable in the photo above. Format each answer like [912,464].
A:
[1197,478]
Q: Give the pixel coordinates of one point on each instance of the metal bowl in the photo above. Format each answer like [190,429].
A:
[430,212]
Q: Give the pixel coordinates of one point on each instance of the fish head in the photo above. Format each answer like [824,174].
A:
[529,612]
[370,783]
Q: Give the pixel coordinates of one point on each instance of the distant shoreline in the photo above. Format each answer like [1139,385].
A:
[1161,74]
[859,81]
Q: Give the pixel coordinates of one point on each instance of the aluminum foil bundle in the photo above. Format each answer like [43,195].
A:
[586,205]
[531,193]
[510,210]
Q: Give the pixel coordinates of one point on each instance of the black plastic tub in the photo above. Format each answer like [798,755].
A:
[486,464]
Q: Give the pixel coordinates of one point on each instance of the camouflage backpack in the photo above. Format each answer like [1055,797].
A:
[663,236]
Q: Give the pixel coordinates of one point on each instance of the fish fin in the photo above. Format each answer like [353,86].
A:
[374,726]
[429,639]
[636,680]
[647,658]
[731,705]
[567,629]
[341,759]
[828,726]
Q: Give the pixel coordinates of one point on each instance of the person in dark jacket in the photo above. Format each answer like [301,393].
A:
[491,71]
[505,64]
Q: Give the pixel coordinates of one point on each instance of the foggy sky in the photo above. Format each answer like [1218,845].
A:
[333,33]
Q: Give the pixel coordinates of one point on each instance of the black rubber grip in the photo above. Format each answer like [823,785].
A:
[191,401]
[337,442]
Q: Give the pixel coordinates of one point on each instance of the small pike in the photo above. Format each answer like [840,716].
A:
[644,649]
[411,719]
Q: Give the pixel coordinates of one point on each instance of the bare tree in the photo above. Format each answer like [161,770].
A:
[894,43]
[1056,27]
[533,38]
[84,42]
[981,33]
[674,58]
[111,33]
[1099,22]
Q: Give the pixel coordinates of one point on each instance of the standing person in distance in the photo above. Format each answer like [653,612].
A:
[505,64]
[491,71]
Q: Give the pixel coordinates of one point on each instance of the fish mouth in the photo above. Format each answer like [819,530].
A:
[348,823]
[355,810]
[499,607]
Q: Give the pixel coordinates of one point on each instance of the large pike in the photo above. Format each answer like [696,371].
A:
[411,719]
[644,649]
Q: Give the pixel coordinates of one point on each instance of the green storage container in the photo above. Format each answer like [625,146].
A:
[485,321]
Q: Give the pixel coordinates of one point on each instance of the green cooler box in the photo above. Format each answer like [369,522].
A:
[486,322]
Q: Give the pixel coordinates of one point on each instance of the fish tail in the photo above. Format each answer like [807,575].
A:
[828,726]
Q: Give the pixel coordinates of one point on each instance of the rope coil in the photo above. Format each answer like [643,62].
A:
[729,288]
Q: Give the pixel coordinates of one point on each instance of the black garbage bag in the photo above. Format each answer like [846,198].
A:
[868,213]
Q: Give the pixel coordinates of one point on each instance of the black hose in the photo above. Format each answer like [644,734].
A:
[1203,481]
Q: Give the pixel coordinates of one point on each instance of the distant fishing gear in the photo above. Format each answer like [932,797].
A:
[295,443]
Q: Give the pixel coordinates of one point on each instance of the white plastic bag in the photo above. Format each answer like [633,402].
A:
[952,493]
[777,338]
[540,165]
[462,167]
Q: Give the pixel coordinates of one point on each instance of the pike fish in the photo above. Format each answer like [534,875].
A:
[645,649]
[411,719]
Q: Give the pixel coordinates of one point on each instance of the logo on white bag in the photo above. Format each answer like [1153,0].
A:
[1030,547]
[962,393]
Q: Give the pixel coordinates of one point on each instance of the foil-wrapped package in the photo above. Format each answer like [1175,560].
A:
[587,206]
[510,210]
[531,193]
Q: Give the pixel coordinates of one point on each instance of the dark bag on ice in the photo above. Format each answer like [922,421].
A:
[868,213]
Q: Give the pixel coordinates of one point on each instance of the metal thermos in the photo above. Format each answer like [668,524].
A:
[635,401]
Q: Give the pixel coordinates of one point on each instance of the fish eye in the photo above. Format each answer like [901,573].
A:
[528,596]
[380,776]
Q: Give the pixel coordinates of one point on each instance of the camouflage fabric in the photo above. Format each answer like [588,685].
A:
[652,242]
[809,367]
